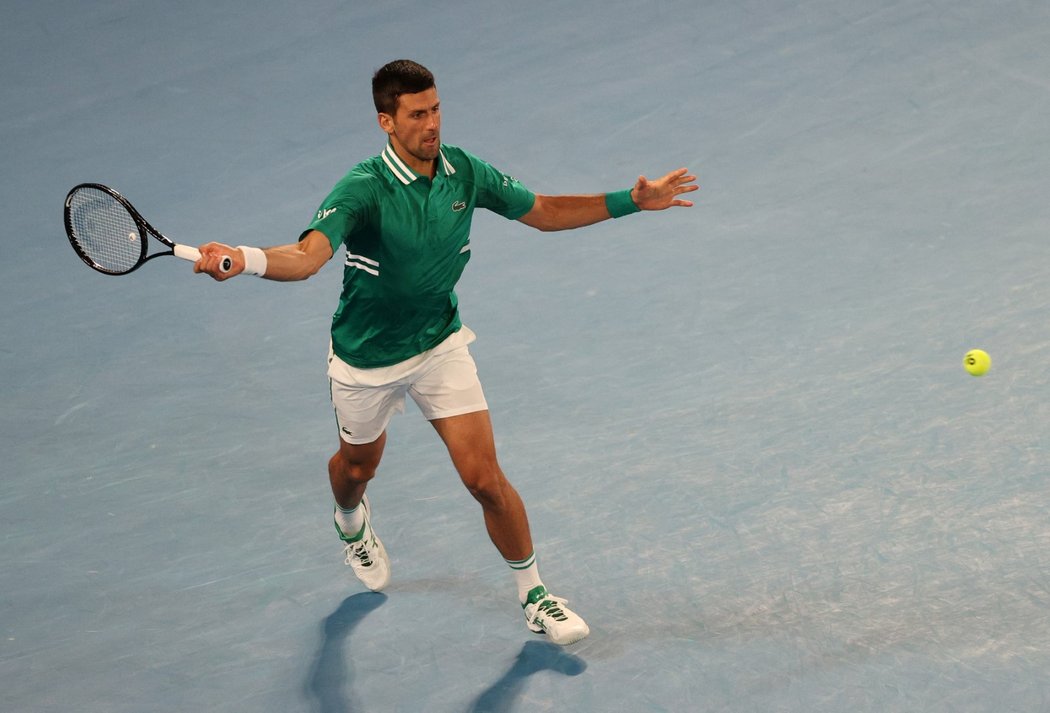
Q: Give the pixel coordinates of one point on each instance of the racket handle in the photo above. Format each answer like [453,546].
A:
[193,255]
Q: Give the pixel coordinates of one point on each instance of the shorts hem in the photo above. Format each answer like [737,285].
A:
[359,440]
[461,411]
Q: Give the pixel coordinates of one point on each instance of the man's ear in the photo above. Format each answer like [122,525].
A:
[386,123]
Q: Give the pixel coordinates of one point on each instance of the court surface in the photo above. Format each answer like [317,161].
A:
[750,453]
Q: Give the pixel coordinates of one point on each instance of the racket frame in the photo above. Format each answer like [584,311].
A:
[185,252]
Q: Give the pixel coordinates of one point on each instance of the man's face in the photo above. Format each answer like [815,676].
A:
[415,128]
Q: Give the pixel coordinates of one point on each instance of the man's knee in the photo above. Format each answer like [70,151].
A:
[354,470]
[486,483]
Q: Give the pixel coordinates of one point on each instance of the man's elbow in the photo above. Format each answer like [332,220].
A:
[541,219]
[312,254]
[308,269]
[546,227]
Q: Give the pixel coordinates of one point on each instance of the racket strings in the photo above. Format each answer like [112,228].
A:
[104,231]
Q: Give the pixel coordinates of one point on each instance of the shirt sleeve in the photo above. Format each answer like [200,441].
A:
[345,207]
[499,192]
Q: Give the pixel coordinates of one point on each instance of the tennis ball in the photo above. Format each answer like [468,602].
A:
[977,362]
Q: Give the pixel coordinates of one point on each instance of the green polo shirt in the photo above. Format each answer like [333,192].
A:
[407,240]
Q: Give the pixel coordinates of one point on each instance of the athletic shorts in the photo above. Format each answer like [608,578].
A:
[442,381]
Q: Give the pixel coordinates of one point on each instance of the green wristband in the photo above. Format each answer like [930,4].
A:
[619,203]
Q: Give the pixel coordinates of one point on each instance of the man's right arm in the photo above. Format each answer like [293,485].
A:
[283,263]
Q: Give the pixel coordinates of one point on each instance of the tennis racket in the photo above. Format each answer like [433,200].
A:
[111,236]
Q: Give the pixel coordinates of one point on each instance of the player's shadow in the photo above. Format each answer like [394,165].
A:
[534,657]
[330,678]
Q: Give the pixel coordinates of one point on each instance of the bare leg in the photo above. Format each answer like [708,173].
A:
[473,450]
[350,469]
[472,447]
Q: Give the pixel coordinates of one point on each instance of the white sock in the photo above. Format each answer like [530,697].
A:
[526,575]
[350,521]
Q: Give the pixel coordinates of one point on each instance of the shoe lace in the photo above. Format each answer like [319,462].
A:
[552,607]
[358,551]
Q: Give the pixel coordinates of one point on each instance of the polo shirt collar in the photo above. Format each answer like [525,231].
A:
[406,175]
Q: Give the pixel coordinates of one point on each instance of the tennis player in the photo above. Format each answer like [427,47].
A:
[404,218]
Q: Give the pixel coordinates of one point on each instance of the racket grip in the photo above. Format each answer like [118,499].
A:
[192,254]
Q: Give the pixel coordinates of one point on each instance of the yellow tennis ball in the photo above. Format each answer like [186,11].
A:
[977,362]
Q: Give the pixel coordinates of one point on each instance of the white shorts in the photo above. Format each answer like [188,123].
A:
[442,381]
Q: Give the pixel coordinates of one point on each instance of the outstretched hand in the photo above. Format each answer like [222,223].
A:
[662,193]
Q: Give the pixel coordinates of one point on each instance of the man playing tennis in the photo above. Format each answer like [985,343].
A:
[404,219]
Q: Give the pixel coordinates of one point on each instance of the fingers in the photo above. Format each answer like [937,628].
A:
[662,193]
[681,181]
[680,177]
[213,257]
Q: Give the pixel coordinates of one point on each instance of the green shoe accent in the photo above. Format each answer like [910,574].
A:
[535,595]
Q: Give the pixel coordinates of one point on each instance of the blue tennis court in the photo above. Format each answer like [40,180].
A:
[751,456]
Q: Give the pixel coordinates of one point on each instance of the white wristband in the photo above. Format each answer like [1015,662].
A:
[254,260]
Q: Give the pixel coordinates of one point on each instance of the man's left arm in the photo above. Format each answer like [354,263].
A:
[564,212]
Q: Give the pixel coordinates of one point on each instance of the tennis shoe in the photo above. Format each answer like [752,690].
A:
[549,615]
[366,555]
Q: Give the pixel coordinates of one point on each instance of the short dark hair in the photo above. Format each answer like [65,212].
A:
[402,76]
